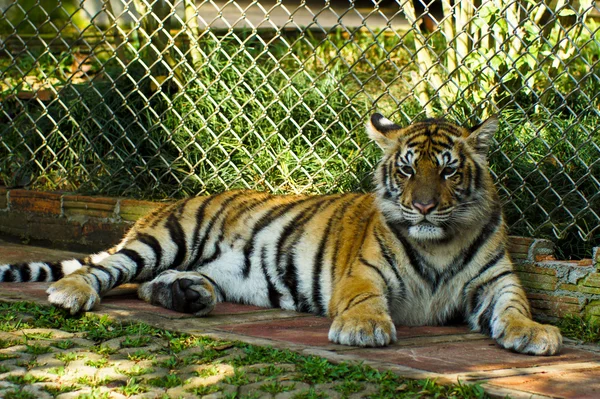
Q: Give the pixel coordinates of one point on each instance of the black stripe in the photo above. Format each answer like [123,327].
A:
[478,176]
[317,267]
[274,295]
[368,264]
[389,258]
[466,256]
[442,144]
[88,276]
[469,181]
[246,206]
[106,271]
[320,256]
[214,256]
[217,287]
[353,302]
[478,291]
[136,258]
[264,221]
[42,275]
[153,243]
[417,263]
[178,237]
[385,177]
[294,228]
[293,234]
[200,241]
[25,272]
[512,300]
[484,319]
[9,275]
[55,271]
[491,263]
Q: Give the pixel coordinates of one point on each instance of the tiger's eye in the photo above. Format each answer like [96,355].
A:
[448,171]
[407,170]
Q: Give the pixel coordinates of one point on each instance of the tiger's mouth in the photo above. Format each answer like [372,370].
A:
[426,231]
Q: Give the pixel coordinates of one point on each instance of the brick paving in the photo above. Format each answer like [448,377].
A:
[444,353]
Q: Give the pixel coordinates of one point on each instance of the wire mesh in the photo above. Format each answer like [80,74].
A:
[164,99]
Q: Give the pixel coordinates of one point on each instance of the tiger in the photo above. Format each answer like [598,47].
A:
[426,246]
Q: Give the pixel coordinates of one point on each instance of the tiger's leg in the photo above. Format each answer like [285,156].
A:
[137,260]
[360,313]
[498,307]
[187,292]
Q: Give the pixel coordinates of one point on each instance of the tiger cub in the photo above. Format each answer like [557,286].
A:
[429,244]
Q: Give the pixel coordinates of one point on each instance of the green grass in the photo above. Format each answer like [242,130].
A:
[205,390]
[65,344]
[135,371]
[133,387]
[100,363]
[60,389]
[16,394]
[25,379]
[228,127]
[67,357]
[37,349]
[135,342]
[167,381]
[140,355]
[275,387]
[582,329]
[308,369]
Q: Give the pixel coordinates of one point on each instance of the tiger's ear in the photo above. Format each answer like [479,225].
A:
[382,130]
[481,135]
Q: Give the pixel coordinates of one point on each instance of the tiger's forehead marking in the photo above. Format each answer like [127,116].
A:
[431,139]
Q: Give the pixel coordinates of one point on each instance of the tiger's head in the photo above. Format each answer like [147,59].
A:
[433,179]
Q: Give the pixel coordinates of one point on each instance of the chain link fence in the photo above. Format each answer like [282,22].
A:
[160,99]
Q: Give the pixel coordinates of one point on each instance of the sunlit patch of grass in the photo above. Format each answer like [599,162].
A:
[585,329]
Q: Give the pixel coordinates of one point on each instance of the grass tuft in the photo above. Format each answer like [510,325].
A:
[585,329]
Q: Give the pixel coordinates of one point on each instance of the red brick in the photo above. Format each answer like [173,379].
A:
[518,247]
[104,234]
[132,210]
[35,201]
[99,207]
[554,309]
[53,229]
[538,281]
[593,280]
[467,356]
[578,383]
[26,291]
[305,330]
[553,298]
[14,223]
[529,268]
[518,240]
[544,258]
[3,198]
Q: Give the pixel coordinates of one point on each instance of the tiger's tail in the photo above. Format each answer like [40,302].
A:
[47,271]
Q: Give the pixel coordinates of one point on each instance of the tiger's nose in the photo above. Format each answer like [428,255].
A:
[425,207]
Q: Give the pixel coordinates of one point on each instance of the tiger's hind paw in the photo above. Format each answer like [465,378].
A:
[530,337]
[367,331]
[186,292]
[73,293]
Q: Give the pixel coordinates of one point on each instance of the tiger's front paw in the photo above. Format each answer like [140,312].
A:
[74,294]
[187,292]
[364,331]
[529,337]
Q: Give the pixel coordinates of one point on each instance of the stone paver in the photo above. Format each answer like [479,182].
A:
[445,353]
